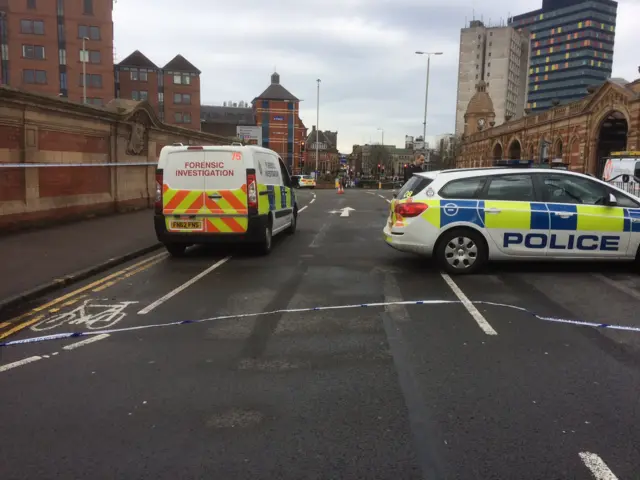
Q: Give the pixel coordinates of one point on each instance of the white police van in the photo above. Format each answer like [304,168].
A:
[466,217]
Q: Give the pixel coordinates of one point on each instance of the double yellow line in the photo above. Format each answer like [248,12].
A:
[35,315]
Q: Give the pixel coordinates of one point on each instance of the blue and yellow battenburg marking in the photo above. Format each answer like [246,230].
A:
[532,216]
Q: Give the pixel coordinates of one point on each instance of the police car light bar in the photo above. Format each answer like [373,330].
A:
[513,163]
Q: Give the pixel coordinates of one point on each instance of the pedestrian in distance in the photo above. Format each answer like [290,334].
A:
[416,167]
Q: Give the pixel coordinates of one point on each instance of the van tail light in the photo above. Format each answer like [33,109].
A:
[252,191]
[410,209]
[158,198]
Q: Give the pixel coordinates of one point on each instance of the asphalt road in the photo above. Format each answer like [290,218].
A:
[395,392]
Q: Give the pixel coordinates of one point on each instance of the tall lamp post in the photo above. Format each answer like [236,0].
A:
[381,130]
[85,57]
[317,127]
[426,99]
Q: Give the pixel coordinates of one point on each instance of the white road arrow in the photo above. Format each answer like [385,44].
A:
[344,212]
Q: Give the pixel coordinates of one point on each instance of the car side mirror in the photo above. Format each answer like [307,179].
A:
[625,178]
[612,200]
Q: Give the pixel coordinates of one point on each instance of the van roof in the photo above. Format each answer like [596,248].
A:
[251,148]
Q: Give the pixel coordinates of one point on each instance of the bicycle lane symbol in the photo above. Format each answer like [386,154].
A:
[91,313]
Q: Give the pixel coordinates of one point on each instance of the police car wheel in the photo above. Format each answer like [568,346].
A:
[461,251]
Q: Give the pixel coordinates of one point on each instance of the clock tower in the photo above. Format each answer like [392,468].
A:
[480,114]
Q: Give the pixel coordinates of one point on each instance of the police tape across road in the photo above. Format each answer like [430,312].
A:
[580,323]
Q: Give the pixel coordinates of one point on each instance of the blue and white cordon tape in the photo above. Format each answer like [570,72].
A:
[59,336]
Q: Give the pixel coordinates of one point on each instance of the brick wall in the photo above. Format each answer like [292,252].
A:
[37,129]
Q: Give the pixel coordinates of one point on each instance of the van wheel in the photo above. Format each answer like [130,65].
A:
[176,249]
[267,240]
[294,223]
[461,251]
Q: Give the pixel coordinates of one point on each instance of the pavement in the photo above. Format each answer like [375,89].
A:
[379,392]
[36,261]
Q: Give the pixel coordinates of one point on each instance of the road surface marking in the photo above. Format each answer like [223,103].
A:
[19,363]
[388,201]
[82,343]
[302,208]
[312,200]
[617,285]
[185,285]
[4,324]
[471,308]
[382,196]
[73,296]
[598,468]
[319,236]
[21,326]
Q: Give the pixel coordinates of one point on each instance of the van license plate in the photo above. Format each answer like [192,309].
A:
[184,225]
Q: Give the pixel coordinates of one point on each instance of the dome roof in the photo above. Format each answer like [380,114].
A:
[481,101]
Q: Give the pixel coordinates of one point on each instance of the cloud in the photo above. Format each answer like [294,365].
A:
[362,50]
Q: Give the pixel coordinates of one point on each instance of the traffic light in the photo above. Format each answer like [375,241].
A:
[378,167]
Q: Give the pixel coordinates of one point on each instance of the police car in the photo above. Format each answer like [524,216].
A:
[466,217]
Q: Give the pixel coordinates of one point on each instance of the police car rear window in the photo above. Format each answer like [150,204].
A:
[464,188]
[414,186]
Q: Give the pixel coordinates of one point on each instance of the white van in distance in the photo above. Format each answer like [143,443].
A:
[213,194]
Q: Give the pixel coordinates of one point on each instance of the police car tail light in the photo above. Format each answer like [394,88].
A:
[252,190]
[410,209]
[158,198]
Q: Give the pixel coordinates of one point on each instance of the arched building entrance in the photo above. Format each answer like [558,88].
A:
[497,152]
[611,136]
[515,150]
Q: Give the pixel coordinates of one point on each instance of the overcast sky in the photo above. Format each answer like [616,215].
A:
[362,50]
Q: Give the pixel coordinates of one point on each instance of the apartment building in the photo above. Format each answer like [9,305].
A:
[46,42]
[173,90]
[498,56]
[571,49]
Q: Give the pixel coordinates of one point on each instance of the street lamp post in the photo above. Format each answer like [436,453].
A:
[426,98]
[317,127]
[382,130]
[84,69]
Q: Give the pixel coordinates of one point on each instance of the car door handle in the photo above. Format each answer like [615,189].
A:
[564,214]
[214,195]
[492,210]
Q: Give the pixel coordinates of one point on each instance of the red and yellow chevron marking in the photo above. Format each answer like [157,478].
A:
[197,202]
[226,225]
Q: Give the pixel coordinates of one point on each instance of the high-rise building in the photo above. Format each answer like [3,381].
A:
[499,57]
[42,47]
[571,49]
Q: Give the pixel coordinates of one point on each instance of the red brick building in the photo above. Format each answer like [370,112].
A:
[173,90]
[277,112]
[328,156]
[42,47]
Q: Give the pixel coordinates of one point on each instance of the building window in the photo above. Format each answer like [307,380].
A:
[90,56]
[93,33]
[63,81]
[32,26]
[160,97]
[144,95]
[62,56]
[31,4]
[181,79]
[183,117]
[34,76]
[35,52]
[182,98]
[134,74]
[60,8]
[135,95]
[88,7]
[144,76]
[93,80]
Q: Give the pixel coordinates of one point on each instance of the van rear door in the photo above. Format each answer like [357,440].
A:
[183,191]
[226,190]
